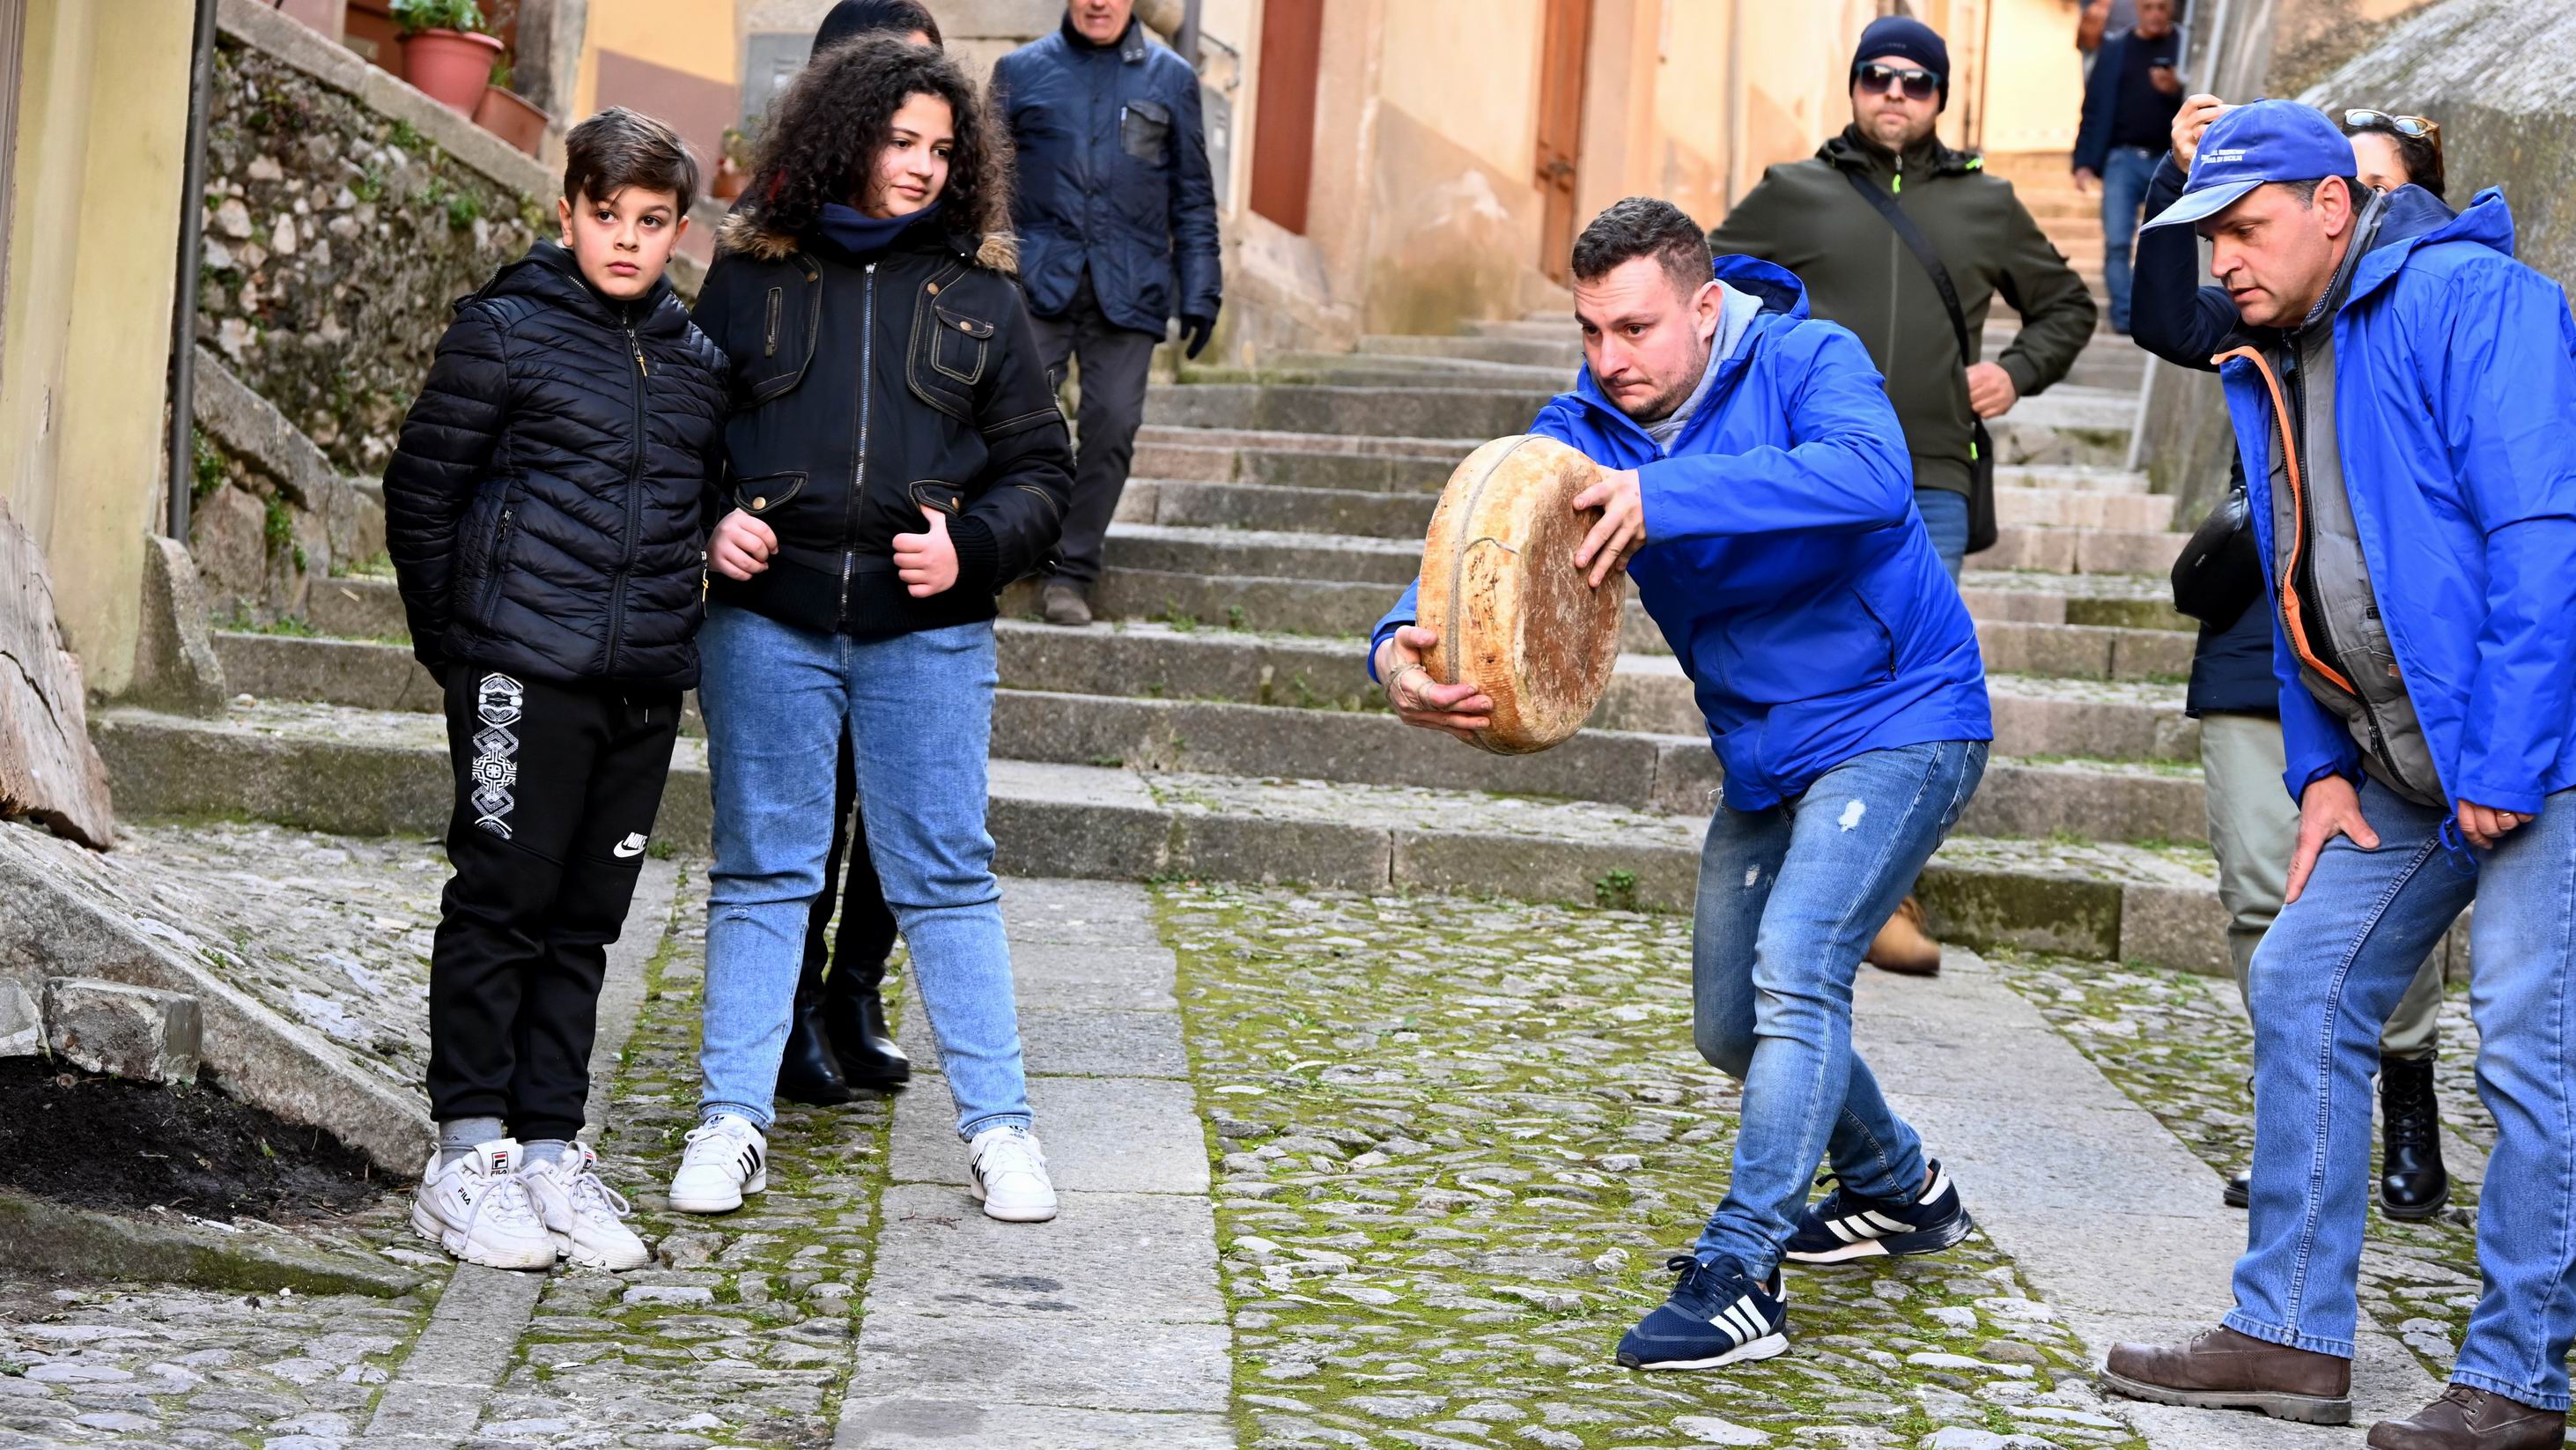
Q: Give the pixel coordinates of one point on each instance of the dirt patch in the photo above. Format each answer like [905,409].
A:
[105,1142]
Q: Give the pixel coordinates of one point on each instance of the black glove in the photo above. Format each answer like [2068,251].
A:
[1197,330]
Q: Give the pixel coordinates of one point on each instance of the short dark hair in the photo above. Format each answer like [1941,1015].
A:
[2422,154]
[1644,226]
[853,18]
[2305,192]
[619,148]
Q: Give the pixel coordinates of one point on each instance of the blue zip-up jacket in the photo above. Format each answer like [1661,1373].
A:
[2455,407]
[1785,560]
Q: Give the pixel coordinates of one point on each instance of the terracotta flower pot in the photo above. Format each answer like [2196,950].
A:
[512,117]
[730,179]
[451,67]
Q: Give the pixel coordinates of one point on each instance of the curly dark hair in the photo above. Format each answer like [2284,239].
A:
[822,136]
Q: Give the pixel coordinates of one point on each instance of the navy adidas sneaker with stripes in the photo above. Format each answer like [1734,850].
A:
[1716,1316]
[1847,1225]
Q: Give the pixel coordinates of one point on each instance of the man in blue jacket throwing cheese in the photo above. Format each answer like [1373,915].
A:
[2404,395]
[1764,505]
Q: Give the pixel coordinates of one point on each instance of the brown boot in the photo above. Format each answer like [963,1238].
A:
[2472,1419]
[2224,1370]
[1062,602]
[1903,946]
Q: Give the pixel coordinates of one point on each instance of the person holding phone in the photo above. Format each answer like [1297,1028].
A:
[2129,104]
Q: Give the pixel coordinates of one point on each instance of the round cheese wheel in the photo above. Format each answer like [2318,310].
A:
[1499,584]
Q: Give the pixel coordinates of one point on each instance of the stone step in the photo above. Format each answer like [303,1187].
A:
[1052,669]
[1198,504]
[2082,550]
[362,772]
[1380,411]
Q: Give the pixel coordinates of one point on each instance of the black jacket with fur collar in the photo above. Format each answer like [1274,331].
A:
[871,386]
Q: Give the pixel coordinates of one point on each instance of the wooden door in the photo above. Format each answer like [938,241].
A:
[1565,39]
[1283,117]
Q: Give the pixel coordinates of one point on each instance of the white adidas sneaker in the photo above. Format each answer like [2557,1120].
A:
[726,1158]
[585,1216]
[1006,1169]
[477,1209]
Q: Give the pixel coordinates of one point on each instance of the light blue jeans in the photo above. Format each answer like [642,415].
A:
[1789,898]
[1945,518]
[919,712]
[2125,175]
[2325,979]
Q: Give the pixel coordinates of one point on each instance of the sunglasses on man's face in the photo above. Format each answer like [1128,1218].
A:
[2413,127]
[1920,85]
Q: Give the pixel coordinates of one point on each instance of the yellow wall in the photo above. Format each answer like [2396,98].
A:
[697,37]
[84,346]
[2038,92]
[1468,70]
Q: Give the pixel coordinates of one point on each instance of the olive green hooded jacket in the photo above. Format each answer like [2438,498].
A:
[1804,216]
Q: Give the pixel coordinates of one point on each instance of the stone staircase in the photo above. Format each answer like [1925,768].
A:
[1219,722]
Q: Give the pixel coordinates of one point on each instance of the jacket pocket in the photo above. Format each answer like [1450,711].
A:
[790,315]
[1145,131]
[767,492]
[939,494]
[959,344]
[496,565]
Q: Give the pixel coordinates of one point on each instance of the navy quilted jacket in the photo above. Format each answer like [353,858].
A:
[546,507]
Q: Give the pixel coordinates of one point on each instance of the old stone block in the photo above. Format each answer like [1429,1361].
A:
[49,772]
[133,1032]
[22,1027]
[175,665]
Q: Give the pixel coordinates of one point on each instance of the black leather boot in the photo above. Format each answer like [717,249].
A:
[854,1015]
[808,1072]
[2412,1181]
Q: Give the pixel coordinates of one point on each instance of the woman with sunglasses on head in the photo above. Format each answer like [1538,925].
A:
[2253,824]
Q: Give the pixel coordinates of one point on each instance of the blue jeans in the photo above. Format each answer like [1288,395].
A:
[2125,174]
[2324,982]
[1789,898]
[1945,518]
[919,712]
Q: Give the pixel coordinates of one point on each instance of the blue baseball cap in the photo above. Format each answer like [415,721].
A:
[2251,146]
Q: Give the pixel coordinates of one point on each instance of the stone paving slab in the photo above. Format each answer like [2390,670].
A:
[1102,1135]
[1115,1257]
[921,1423]
[1077,1363]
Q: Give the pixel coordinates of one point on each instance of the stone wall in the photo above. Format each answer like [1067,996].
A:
[271,513]
[336,237]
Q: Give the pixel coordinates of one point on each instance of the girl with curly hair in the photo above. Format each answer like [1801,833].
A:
[894,458]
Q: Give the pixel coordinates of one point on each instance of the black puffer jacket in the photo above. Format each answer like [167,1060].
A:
[546,507]
[867,387]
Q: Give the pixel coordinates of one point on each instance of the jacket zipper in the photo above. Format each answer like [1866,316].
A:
[500,552]
[859,472]
[1895,261]
[634,503]
[2303,530]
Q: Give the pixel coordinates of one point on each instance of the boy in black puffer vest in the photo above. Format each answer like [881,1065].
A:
[546,516]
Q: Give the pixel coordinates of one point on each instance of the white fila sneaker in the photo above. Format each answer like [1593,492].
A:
[477,1209]
[585,1216]
[1006,1170]
[726,1158]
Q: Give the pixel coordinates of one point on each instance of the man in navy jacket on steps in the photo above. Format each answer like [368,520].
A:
[1762,501]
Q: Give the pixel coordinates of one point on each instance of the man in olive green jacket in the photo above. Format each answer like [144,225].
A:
[1806,216]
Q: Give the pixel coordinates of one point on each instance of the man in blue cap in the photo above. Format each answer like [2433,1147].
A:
[2404,395]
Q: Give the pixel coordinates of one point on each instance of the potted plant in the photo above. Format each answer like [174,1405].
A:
[446,52]
[507,114]
[733,168]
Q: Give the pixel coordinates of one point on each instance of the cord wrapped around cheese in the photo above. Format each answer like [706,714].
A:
[1513,613]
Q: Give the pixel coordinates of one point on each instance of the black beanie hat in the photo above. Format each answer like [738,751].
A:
[1901,35]
[853,18]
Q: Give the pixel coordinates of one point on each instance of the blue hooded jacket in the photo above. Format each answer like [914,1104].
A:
[2455,408]
[1786,562]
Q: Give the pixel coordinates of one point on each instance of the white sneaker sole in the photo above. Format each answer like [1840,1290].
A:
[1764,1348]
[1009,1212]
[460,1248]
[631,1254]
[726,1203]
